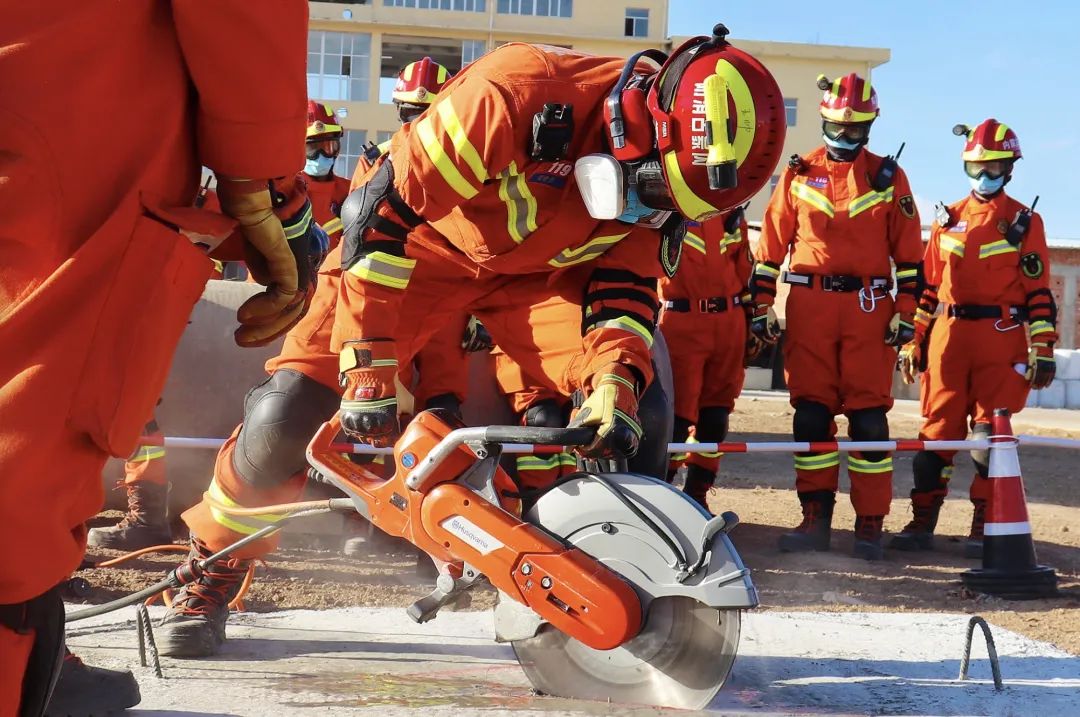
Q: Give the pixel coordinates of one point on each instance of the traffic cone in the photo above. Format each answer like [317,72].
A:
[1009,566]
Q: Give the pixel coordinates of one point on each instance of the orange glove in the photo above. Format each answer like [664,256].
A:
[275,221]
[611,407]
[369,410]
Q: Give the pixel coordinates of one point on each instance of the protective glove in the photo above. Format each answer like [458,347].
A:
[753,348]
[764,324]
[1041,366]
[275,222]
[901,329]
[909,361]
[476,337]
[369,410]
[611,407]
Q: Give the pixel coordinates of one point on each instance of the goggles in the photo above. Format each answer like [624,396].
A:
[652,190]
[857,132]
[994,169]
[328,148]
[407,111]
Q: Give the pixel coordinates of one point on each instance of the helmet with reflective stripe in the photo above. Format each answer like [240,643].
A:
[848,99]
[720,124]
[989,141]
[420,82]
[321,121]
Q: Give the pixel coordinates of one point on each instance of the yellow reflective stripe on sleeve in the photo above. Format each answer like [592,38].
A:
[437,155]
[766,270]
[730,240]
[144,454]
[861,465]
[333,226]
[586,252]
[694,242]
[813,197]
[300,226]
[617,379]
[1040,327]
[630,421]
[458,136]
[627,324]
[869,200]
[818,462]
[378,267]
[520,203]
[1001,246]
[243,524]
[367,405]
[906,274]
[951,245]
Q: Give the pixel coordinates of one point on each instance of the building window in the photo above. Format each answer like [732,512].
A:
[637,23]
[352,146]
[791,108]
[542,8]
[338,65]
[472,49]
[465,5]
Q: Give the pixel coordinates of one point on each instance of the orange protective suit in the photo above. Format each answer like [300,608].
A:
[96,284]
[841,235]
[973,272]
[326,195]
[147,463]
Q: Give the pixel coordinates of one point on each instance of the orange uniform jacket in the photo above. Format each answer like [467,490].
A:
[832,222]
[465,168]
[715,262]
[326,198]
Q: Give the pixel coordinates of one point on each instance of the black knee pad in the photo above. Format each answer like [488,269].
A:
[656,413]
[869,424]
[812,422]
[712,424]
[927,467]
[981,459]
[446,402]
[280,416]
[546,414]
[682,430]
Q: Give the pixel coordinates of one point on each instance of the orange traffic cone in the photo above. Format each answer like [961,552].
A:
[1009,566]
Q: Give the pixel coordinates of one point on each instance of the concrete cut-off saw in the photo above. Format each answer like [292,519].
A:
[611,586]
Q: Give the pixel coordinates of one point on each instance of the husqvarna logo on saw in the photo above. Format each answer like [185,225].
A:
[472,534]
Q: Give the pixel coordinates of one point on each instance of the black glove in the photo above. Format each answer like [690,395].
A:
[476,337]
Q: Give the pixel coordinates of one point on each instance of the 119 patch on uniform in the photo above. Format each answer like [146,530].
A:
[1032,265]
[907,206]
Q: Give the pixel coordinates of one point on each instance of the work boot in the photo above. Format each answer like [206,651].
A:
[146,522]
[919,533]
[973,548]
[815,530]
[698,482]
[85,691]
[194,626]
[868,537]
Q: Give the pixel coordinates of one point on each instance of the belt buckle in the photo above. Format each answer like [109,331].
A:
[828,284]
[708,306]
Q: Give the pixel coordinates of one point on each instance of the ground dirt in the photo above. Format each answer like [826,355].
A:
[309,573]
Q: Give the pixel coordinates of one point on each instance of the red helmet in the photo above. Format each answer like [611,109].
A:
[321,121]
[719,123]
[989,141]
[848,99]
[420,82]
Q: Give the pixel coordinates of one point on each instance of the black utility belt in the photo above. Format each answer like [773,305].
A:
[711,305]
[837,283]
[986,311]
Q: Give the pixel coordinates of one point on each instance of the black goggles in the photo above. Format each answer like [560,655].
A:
[857,132]
[328,148]
[995,168]
[652,189]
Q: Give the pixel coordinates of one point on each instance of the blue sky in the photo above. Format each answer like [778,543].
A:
[952,61]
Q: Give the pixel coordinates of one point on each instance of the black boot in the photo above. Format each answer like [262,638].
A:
[973,548]
[698,482]
[145,524]
[868,537]
[815,530]
[919,533]
[85,691]
[194,626]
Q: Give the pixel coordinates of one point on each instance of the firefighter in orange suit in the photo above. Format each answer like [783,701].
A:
[842,216]
[97,277]
[472,211]
[704,320]
[326,190]
[988,271]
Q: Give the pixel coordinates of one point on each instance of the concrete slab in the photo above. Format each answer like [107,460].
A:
[376,661]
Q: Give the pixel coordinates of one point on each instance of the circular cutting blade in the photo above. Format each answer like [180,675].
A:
[681,658]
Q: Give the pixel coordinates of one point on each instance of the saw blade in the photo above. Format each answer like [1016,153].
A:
[681,658]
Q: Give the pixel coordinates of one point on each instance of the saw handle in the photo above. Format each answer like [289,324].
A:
[538,435]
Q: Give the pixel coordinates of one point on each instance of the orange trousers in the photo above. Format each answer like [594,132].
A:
[970,372]
[527,315]
[147,463]
[835,355]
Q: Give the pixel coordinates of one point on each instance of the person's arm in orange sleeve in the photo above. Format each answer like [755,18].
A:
[247,63]
[911,358]
[777,234]
[906,248]
[1042,309]
[434,164]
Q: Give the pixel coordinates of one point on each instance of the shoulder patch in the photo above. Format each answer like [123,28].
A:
[1032,265]
[671,247]
[907,206]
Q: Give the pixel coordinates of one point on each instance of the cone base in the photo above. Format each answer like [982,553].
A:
[1039,582]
